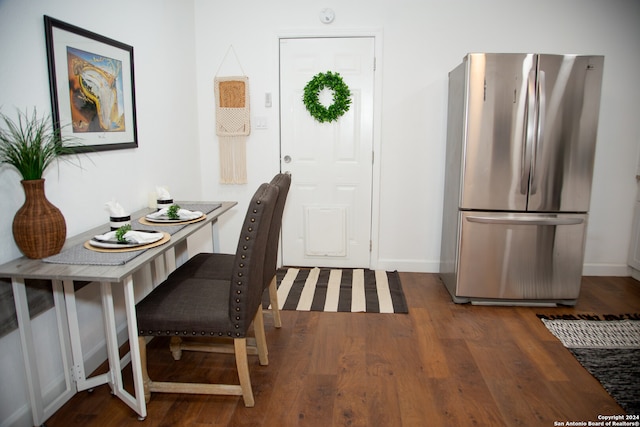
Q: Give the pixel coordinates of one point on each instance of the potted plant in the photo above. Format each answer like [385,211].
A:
[31,145]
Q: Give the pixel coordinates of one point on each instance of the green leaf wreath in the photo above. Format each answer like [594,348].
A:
[341,97]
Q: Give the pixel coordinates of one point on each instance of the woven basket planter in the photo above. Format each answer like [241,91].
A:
[39,228]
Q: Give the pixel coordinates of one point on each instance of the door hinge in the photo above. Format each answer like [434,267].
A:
[374,63]
[77,374]
[370,245]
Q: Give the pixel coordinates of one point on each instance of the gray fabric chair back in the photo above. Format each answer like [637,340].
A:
[247,277]
[188,305]
[283,182]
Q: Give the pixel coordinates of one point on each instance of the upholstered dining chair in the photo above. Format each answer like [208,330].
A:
[190,306]
[217,265]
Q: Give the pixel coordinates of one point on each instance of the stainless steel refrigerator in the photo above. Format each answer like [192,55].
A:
[521,139]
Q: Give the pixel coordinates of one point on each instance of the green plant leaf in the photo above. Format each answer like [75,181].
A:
[31,144]
[120,232]
[172,212]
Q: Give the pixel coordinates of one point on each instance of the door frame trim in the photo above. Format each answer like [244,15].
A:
[377,36]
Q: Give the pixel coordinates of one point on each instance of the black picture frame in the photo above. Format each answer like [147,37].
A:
[92,85]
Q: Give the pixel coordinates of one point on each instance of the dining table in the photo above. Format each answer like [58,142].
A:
[80,263]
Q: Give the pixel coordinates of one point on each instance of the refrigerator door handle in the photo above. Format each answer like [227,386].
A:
[540,114]
[530,126]
[531,220]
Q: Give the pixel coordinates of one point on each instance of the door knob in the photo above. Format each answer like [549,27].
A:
[287,159]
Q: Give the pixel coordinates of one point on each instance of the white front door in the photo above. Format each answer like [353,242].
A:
[327,220]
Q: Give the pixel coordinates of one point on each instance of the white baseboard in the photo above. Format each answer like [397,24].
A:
[407,265]
[424,266]
[20,417]
[617,270]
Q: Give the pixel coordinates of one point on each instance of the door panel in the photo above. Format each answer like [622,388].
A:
[325,231]
[569,88]
[521,256]
[327,220]
[495,176]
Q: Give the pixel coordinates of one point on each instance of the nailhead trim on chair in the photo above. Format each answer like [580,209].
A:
[241,266]
[241,276]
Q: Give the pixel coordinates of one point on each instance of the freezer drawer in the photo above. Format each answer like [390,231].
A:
[520,256]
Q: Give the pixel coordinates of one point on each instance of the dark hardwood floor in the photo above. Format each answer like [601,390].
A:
[441,365]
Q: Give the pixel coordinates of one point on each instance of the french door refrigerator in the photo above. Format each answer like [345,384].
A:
[521,138]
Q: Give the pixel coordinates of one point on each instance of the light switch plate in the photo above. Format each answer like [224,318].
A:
[261,122]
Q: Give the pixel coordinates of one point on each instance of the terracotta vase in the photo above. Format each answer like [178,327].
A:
[39,228]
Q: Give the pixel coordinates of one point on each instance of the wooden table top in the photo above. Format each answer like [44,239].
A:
[27,268]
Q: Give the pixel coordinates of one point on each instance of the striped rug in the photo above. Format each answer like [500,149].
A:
[339,290]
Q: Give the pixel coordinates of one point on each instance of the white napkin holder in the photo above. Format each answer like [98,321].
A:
[164,199]
[118,217]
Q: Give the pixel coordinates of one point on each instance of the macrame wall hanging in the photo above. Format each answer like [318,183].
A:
[232,124]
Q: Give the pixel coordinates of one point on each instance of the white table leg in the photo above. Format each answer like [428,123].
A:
[180,256]
[170,259]
[159,271]
[65,350]
[137,402]
[40,412]
[111,337]
[28,350]
[215,236]
[74,330]
[134,348]
[73,325]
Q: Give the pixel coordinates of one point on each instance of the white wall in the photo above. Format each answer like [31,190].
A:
[180,44]
[162,34]
[422,42]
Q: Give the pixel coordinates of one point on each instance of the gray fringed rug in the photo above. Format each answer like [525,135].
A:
[608,347]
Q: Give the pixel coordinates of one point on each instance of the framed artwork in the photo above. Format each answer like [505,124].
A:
[92,88]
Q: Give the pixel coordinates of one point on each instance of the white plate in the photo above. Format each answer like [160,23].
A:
[166,219]
[115,244]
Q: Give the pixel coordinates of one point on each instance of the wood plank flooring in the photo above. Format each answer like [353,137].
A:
[441,365]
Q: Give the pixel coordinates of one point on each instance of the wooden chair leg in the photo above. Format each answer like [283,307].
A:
[146,381]
[261,340]
[242,364]
[175,345]
[273,299]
